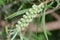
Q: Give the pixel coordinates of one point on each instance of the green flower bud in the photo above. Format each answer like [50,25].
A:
[29,16]
[32,16]
[34,7]
[27,20]
[24,16]
[18,26]
[26,24]
[27,13]
[19,22]
[30,20]
[23,20]
[35,15]
[21,25]
[39,9]
[31,11]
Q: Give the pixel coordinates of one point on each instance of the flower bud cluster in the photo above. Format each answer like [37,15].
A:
[28,17]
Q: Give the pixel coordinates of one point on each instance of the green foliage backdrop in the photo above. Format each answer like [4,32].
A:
[18,14]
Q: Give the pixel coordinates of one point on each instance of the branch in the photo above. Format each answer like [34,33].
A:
[55,15]
[49,26]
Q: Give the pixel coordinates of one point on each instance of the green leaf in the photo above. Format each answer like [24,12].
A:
[26,1]
[6,29]
[41,37]
[43,25]
[17,13]
[1,2]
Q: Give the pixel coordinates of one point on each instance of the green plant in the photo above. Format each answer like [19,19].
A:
[22,16]
[27,18]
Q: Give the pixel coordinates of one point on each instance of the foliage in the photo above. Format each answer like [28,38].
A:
[26,15]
